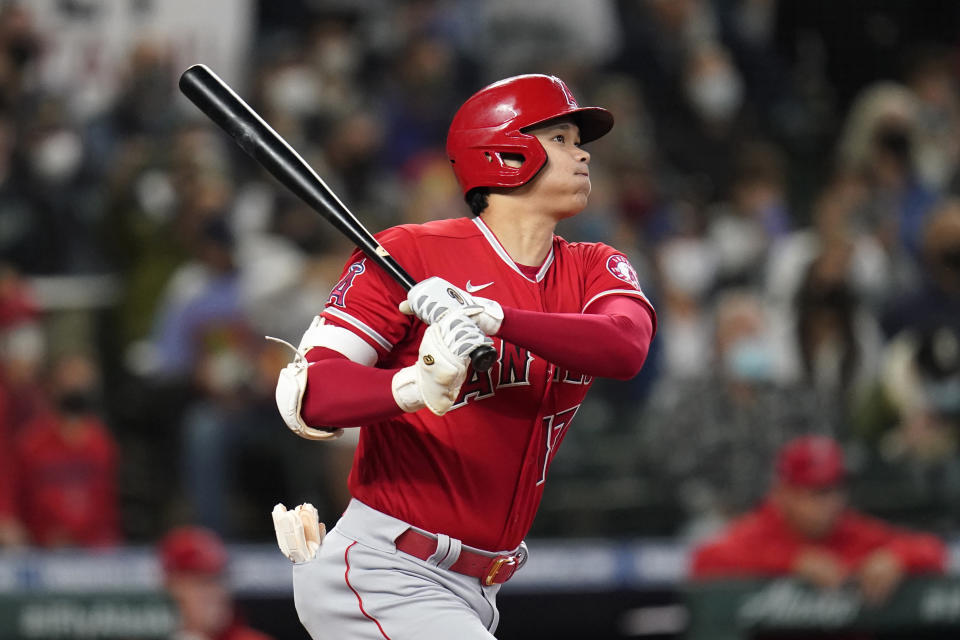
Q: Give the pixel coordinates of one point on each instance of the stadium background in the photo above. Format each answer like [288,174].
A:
[773,175]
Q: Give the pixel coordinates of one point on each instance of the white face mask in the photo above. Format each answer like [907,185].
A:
[294,90]
[689,266]
[749,360]
[57,157]
[717,96]
[338,57]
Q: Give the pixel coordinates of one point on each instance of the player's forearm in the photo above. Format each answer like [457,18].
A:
[610,344]
[343,393]
[919,553]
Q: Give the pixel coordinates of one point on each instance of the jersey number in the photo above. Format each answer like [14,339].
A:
[555,427]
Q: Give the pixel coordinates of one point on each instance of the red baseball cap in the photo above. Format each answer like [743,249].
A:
[194,550]
[811,461]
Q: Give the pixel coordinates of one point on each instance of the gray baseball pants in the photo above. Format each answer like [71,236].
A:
[361,587]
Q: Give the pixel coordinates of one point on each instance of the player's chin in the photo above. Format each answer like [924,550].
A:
[581,196]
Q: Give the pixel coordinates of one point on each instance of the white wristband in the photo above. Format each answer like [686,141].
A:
[406,391]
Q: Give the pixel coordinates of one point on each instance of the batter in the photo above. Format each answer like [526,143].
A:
[451,462]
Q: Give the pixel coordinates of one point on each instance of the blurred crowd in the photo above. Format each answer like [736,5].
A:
[784,175]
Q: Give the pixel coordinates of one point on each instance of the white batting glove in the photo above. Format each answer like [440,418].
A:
[299,531]
[291,385]
[434,381]
[430,299]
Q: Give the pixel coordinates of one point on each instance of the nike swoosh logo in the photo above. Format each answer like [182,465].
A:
[474,288]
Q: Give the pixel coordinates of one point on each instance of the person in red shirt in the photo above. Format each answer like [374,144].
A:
[65,463]
[452,461]
[12,533]
[806,529]
[194,562]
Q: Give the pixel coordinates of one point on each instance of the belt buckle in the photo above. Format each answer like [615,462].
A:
[495,568]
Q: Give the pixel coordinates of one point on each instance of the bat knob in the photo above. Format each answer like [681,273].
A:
[483,357]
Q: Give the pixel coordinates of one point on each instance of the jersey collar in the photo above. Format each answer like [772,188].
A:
[500,251]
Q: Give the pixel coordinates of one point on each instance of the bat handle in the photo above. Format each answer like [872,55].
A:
[483,357]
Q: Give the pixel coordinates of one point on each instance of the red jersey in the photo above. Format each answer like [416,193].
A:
[762,544]
[476,473]
[7,480]
[66,491]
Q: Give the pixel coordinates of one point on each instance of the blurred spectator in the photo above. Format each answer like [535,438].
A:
[696,138]
[421,93]
[805,529]
[879,144]
[12,532]
[910,426]
[202,294]
[933,79]
[707,440]
[65,464]
[936,300]
[194,562]
[231,436]
[23,350]
[160,194]
[835,339]
[21,397]
[53,175]
[561,37]
[836,222]
[687,264]
[743,228]
[659,36]
[20,45]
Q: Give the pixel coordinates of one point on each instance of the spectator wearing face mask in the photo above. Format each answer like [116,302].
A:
[21,397]
[878,145]
[65,462]
[805,529]
[707,440]
[712,119]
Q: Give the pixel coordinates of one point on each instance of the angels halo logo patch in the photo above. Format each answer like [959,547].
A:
[620,268]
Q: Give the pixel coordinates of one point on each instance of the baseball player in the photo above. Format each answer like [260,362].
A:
[452,461]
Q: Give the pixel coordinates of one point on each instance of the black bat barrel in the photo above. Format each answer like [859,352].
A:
[228,110]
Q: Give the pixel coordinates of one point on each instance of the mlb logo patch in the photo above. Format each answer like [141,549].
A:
[621,269]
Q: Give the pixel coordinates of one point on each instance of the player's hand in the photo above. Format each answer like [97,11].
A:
[434,380]
[430,299]
[879,576]
[820,568]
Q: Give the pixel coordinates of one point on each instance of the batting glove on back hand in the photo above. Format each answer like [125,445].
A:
[434,380]
[299,531]
[432,298]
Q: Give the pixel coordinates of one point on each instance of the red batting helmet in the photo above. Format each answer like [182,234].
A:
[193,550]
[491,123]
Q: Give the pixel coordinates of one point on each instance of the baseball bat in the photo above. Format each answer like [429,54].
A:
[258,139]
